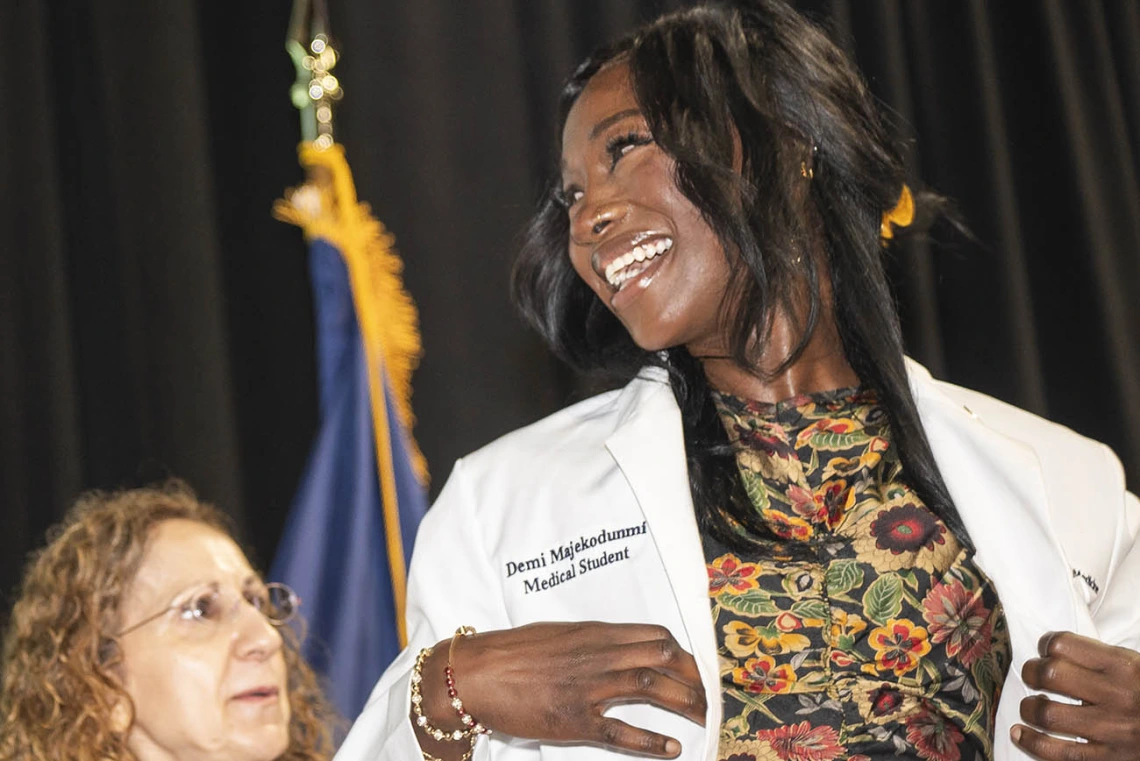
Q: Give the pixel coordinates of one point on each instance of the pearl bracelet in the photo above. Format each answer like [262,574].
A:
[417,698]
[465,757]
[471,728]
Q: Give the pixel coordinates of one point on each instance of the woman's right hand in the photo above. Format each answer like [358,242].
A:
[553,682]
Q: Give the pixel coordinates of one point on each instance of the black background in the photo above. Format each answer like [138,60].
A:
[154,319]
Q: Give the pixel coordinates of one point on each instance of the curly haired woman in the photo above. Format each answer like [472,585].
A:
[141,632]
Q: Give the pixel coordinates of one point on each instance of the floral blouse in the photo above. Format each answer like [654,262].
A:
[865,631]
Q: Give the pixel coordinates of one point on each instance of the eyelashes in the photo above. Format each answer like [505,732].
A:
[621,144]
[615,149]
[212,604]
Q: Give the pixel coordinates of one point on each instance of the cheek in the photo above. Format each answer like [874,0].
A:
[580,261]
[711,264]
[168,685]
[712,271]
[283,669]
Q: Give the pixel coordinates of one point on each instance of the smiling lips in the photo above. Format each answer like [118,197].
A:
[258,693]
[632,263]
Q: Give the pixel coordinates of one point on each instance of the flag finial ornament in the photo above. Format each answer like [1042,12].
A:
[317,89]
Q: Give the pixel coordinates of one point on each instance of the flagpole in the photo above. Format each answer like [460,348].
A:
[327,207]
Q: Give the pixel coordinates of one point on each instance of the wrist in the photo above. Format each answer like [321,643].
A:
[470,723]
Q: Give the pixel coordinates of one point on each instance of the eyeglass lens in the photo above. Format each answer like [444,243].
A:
[279,604]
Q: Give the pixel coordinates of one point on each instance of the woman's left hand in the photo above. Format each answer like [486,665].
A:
[1106,679]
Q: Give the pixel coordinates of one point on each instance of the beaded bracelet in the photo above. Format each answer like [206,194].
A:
[472,728]
[417,699]
[465,757]
[449,673]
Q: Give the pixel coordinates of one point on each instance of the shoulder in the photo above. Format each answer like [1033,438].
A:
[585,424]
[1016,422]
[568,444]
[1052,442]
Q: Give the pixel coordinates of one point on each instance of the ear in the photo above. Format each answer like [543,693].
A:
[122,712]
[802,174]
[122,715]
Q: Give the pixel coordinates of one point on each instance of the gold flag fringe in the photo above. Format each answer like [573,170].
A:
[388,319]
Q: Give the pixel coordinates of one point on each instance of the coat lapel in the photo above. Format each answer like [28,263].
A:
[648,446]
[998,487]
[995,482]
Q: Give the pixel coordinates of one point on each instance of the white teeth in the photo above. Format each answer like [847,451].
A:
[619,271]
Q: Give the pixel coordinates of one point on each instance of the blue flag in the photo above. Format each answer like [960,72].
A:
[350,531]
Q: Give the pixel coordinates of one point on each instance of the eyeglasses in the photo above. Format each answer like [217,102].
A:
[209,606]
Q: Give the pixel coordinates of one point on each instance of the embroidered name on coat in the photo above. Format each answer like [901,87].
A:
[571,559]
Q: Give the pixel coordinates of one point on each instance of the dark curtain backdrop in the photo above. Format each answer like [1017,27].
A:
[154,319]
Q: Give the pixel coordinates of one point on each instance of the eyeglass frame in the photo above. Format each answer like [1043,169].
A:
[290,594]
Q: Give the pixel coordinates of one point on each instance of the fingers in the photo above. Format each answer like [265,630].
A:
[631,633]
[629,647]
[645,685]
[555,681]
[547,633]
[1101,728]
[658,671]
[617,734]
[1105,678]
[1064,677]
[1058,718]
[663,654]
[1091,654]
[1047,748]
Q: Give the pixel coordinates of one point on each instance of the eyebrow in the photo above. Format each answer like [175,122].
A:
[214,583]
[612,119]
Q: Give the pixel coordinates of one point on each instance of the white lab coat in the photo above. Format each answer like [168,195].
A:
[600,489]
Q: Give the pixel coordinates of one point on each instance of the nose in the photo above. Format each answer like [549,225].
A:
[255,637]
[594,219]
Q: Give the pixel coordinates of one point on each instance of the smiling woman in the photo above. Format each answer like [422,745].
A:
[627,218]
[141,632]
[843,557]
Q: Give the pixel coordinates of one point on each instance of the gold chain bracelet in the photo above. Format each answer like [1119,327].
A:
[417,699]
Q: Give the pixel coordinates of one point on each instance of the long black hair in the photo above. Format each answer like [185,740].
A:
[799,107]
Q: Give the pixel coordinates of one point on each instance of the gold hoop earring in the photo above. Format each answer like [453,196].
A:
[806,171]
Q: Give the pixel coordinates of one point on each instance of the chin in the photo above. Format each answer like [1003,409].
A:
[281,745]
[265,743]
[655,332]
[650,340]
[654,346]
[268,746]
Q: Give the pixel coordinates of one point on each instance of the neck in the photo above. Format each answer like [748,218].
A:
[822,366]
